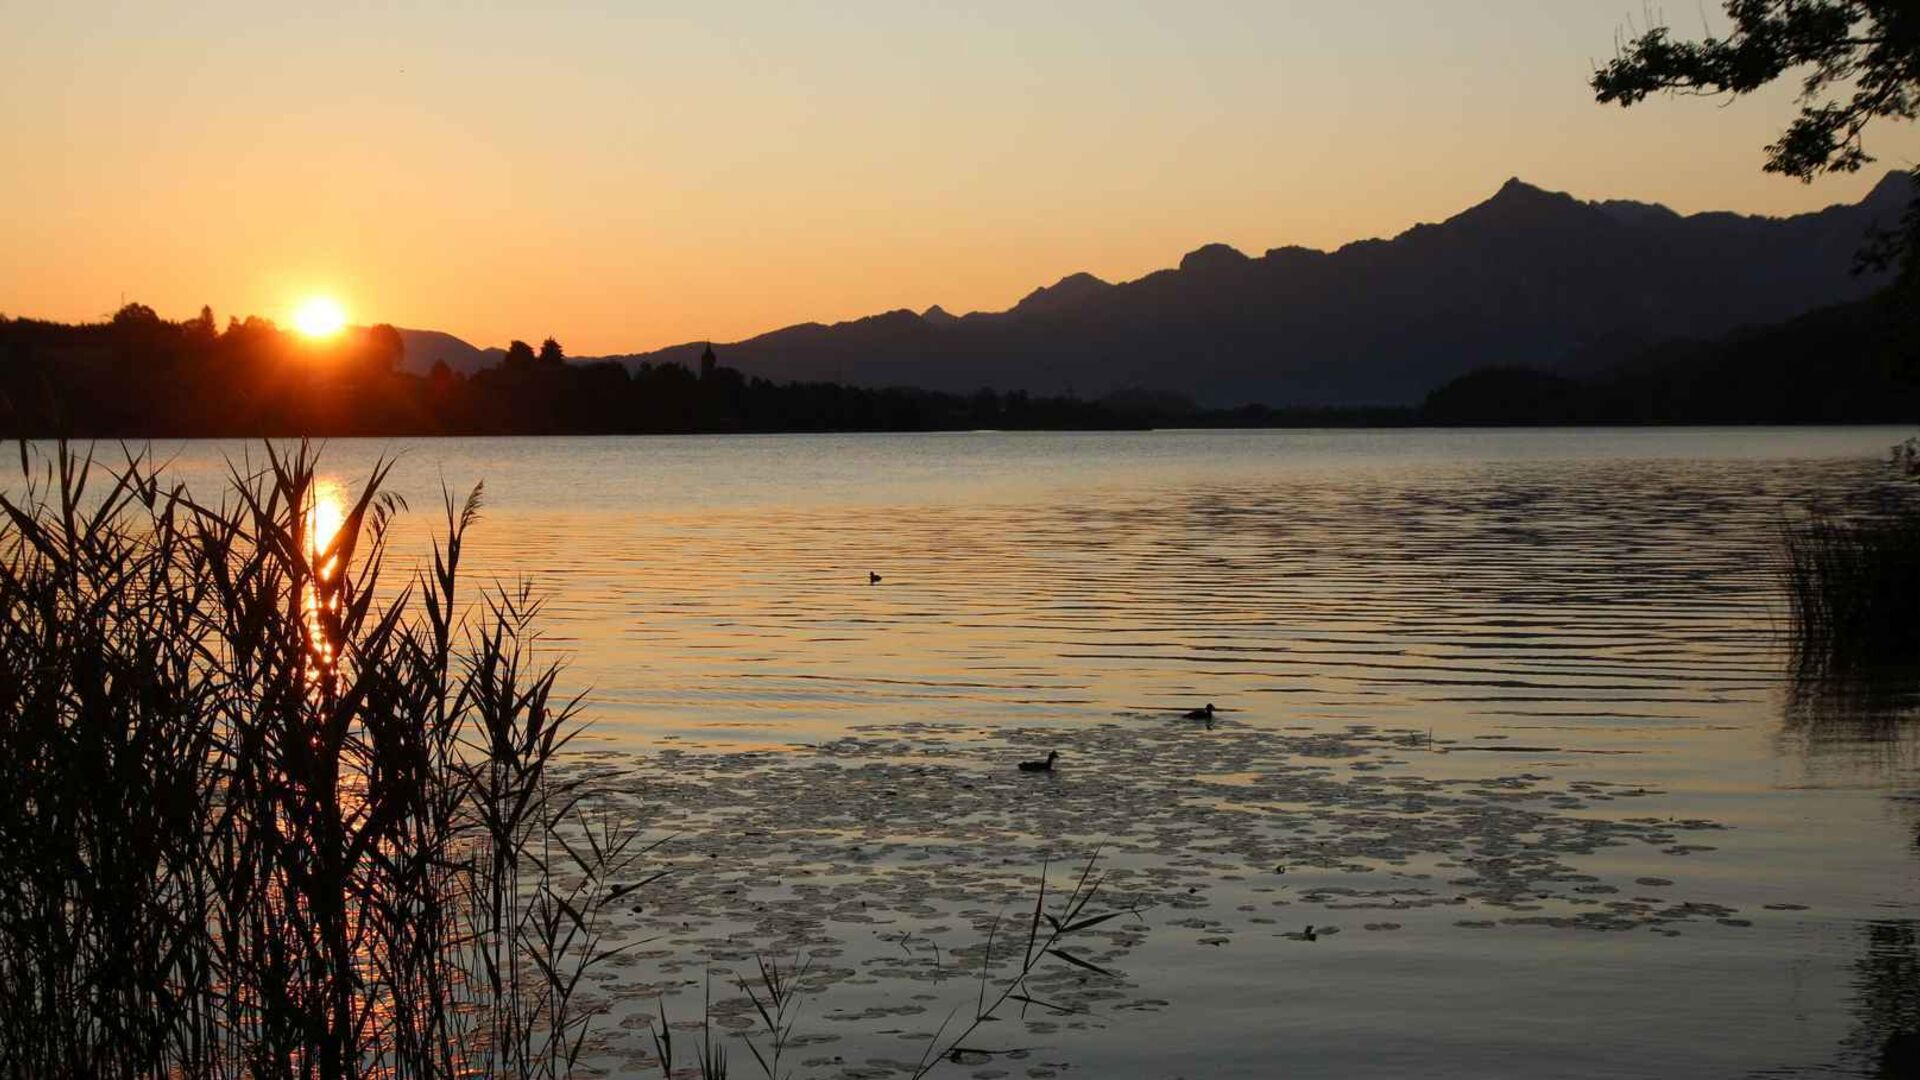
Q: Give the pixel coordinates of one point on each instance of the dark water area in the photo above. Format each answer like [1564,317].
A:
[1505,716]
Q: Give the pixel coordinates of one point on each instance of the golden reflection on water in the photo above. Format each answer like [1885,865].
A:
[325,514]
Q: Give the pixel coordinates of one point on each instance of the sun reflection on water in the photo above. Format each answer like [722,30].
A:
[322,520]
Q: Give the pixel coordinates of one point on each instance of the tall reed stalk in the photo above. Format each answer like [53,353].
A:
[260,817]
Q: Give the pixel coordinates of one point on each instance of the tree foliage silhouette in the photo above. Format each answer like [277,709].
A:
[1862,63]
[519,356]
[135,315]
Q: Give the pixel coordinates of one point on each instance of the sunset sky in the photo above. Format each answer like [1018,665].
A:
[625,176]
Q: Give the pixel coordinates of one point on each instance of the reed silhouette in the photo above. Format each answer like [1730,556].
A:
[1853,592]
[262,814]
[778,989]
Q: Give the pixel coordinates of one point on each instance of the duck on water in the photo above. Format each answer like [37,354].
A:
[1040,766]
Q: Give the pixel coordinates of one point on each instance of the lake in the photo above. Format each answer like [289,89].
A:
[1504,717]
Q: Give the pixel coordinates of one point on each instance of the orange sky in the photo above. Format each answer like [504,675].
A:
[629,176]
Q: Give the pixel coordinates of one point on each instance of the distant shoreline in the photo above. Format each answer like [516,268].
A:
[139,376]
[1171,429]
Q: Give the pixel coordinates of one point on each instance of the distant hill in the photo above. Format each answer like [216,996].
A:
[1856,362]
[424,347]
[1527,278]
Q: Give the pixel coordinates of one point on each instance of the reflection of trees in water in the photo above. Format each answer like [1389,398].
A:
[1886,1001]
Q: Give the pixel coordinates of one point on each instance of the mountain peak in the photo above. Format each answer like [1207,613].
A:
[1213,257]
[1519,204]
[1517,192]
[1068,290]
[938,315]
[1898,186]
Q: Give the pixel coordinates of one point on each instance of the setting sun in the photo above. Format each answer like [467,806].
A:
[320,317]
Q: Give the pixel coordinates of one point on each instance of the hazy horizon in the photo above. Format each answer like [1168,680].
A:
[624,181]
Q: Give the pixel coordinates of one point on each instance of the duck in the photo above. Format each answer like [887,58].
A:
[873,578]
[1201,714]
[1040,766]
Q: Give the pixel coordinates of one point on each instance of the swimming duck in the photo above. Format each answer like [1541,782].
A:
[1040,766]
[873,578]
[1201,714]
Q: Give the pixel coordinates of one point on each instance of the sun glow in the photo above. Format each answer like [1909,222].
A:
[320,317]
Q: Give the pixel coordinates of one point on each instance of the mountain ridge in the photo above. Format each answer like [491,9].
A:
[1527,276]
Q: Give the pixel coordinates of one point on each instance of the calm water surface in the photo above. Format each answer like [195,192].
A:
[1651,856]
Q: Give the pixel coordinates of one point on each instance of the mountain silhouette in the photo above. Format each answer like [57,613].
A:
[1529,278]
[427,347]
[1066,292]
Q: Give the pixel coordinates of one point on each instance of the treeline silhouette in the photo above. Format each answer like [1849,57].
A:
[139,375]
[1846,364]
